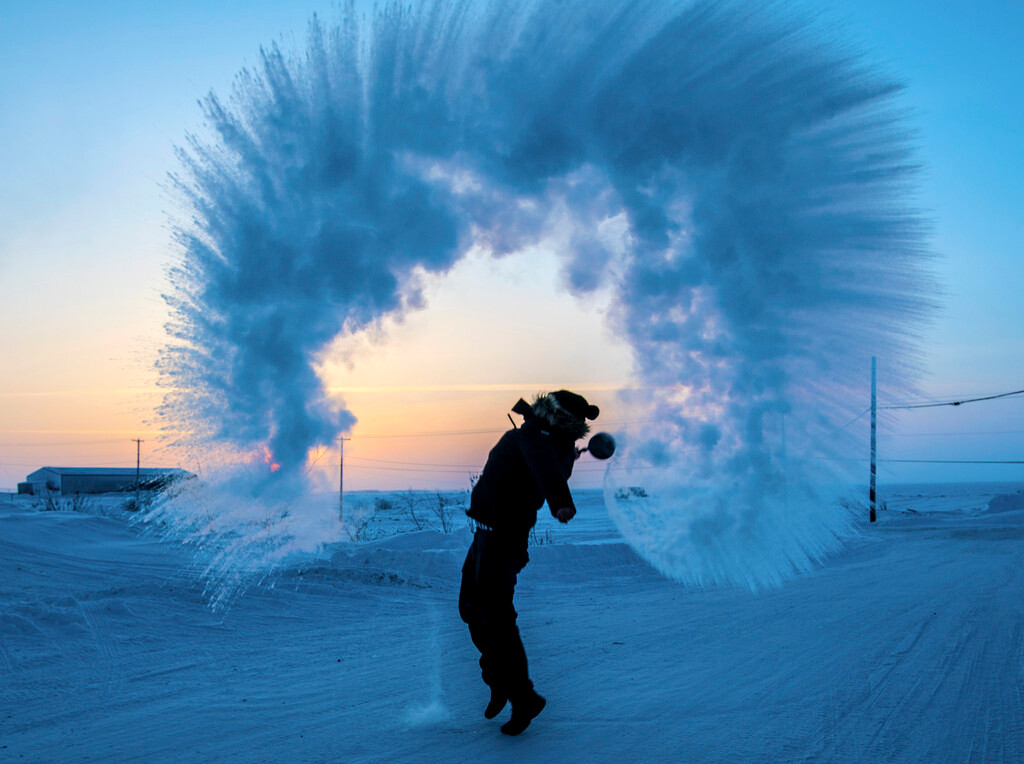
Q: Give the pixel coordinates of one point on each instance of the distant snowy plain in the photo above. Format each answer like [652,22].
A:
[906,646]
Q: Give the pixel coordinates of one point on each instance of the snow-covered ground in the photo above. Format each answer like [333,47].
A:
[907,646]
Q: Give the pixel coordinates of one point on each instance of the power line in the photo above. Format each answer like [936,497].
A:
[930,434]
[855,419]
[951,461]
[913,461]
[407,469]
[437,433]
[413,464]
[80,464]
[955,403]
[360,436]
[62,443]
[443,433]
[940,398]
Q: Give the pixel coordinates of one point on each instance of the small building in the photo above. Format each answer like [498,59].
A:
[69,480]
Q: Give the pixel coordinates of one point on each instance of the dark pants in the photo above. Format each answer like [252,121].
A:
[485,604]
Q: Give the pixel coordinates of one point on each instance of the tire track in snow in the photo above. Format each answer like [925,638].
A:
[890,739]
[880,677]
[109,666]
[945,686]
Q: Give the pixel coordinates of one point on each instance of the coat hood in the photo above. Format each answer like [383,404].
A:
[547,408]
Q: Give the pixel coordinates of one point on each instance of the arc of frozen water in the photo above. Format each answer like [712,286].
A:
[739,181]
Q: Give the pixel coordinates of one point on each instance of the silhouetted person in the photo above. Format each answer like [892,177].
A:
[528,465]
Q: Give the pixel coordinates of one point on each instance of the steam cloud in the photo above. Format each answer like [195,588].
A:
[735,177]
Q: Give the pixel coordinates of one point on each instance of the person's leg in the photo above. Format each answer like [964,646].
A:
[489,578]
[497,581]
[472,596]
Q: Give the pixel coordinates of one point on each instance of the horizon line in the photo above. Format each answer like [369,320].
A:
[455,388]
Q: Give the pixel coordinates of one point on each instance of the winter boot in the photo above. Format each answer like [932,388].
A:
[497,703]
[524,711]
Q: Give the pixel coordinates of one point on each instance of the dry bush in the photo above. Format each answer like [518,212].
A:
[443,509]
[55,502]
[358,522]
[139,502]
[538,540]
[410,502]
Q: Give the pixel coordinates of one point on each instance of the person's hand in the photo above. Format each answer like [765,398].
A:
[565,514]
[576,453]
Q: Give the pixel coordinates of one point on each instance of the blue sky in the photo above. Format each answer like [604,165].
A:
[94,96]
[963,69]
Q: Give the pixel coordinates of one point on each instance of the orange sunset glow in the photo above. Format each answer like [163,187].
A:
[430,392]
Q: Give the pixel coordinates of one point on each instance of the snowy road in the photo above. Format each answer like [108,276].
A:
[909,646]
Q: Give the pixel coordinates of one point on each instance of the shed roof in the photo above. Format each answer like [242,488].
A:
[114,471]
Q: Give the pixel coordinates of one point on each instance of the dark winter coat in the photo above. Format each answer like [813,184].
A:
[527,467]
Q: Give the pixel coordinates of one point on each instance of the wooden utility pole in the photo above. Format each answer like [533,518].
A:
[871,492]
[138,465]
[341,478]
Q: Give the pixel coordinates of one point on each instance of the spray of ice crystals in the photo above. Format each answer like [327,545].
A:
[735,177]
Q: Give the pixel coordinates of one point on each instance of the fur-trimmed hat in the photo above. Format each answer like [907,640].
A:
[565,410]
